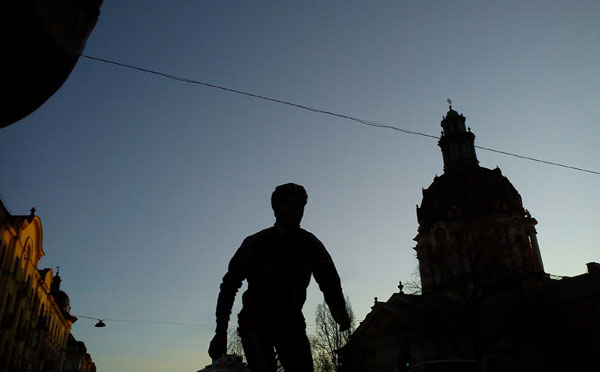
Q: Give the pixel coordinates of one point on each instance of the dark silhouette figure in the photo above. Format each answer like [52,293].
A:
[277,263]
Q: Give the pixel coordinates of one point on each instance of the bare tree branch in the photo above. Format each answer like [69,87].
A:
[328,338]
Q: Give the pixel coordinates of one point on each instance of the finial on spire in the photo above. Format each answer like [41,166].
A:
[57,270]
[31,214]
[449,103]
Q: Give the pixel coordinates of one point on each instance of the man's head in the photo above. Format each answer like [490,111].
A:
[288,203]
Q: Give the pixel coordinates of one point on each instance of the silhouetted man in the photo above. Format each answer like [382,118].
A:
[277,263]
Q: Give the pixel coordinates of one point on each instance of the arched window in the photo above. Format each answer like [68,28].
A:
[27,255]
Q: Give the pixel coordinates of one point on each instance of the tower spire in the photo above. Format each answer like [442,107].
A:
[457,143]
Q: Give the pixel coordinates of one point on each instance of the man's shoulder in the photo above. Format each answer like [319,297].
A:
[310,237]
[271,233]
[261,234]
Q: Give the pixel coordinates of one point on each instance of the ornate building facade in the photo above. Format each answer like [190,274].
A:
[486,303]
[35,322]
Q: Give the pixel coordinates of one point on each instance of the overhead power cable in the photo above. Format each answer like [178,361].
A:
[150,321]
[325,112]
[143,321]
[155,322]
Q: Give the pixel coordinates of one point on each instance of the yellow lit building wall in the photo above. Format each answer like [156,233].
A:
[33,328]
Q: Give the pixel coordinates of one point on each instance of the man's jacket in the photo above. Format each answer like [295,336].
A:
[277,263]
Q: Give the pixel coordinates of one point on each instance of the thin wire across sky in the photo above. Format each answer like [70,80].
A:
[153,322]
[325,112]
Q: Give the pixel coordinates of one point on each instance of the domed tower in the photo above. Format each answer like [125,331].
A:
[472,224]
[61,298]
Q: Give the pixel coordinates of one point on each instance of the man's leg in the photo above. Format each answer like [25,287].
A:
[293,350]
[258,348]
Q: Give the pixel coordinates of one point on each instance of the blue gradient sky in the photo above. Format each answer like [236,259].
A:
[146,186]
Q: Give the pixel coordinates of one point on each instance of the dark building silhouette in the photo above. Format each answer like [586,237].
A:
[77,358]
[227,363]
[486,303]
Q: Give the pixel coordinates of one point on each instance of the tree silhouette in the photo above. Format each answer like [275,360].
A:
[328,339]
[234,343]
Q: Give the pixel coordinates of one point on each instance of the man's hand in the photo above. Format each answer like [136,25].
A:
[218,346]
[341,317]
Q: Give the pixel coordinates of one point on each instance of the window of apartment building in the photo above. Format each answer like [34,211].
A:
[68,364]
[4,353]
[8,297]
[27,255]
[2,251]
[28,333]
[36,338]
[13,354]
[19,318]
[16,267]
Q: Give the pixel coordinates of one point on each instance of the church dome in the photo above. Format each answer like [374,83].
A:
[61,298]
[465,189]
[469,192]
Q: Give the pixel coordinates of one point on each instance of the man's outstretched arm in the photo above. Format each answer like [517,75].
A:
[329,282]
[232,281]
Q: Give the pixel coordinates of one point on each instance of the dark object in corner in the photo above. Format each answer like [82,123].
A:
[41,42]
